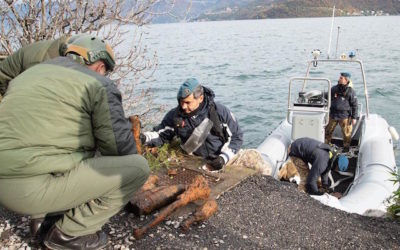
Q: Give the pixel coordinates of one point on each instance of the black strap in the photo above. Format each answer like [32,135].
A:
[345,93]
[331,149]
[332,160]
[217,128]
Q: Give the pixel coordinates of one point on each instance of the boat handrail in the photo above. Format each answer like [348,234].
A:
[315,62]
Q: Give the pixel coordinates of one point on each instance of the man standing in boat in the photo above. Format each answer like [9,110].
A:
[206,128]
[343,110]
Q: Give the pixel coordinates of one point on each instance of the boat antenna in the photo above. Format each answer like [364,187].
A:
[337,40]
[330,35]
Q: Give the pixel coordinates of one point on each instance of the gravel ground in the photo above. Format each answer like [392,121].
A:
[260,213]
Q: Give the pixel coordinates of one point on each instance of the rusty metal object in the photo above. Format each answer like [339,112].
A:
[150,183]
[172,172]
[151,150]
[198,190]
[153,199]
[136,132]
[201,214]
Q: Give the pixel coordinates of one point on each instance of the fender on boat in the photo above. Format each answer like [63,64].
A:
[274,148]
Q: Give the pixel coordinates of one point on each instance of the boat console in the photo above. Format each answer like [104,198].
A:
[309,113]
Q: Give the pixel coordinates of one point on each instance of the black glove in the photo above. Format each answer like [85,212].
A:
[142,138]
[326,188]
[217,163]
[312,191]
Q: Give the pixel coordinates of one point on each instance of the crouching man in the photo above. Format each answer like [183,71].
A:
[206,128]
[53,118]
[322,158]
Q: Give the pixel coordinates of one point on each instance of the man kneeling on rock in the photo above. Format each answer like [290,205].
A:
[322,158]
[53,118]
[206,128]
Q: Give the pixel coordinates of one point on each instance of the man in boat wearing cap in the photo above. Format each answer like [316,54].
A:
[206,128]
[343,110]
[53,119]
[322,157]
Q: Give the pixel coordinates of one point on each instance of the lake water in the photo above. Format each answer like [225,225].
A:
[248,63]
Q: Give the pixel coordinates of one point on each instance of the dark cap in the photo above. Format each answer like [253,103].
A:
[187,88]
[346,74]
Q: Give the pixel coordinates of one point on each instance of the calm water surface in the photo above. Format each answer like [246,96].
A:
[248,63]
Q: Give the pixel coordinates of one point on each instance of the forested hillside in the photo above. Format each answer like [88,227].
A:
[189,10]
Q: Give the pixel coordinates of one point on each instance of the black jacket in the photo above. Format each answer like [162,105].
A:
[343,102]
[317,154]
[214,145]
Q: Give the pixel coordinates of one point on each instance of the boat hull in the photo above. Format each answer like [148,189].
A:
[372,184]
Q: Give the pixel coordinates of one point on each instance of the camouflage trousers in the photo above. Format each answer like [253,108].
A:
[346,126]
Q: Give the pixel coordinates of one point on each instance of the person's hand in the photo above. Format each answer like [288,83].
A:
[313,190]
[325,189]
[217,163]
[353,121]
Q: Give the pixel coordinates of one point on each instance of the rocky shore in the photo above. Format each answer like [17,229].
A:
[259,213]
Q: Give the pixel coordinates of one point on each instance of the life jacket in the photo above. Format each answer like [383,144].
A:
[333,154]
[333,157]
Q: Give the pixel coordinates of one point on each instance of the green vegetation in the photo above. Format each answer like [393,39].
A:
[163,156]
[394,208]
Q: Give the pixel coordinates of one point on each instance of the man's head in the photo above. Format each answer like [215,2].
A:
[95,52]
[344,78]
[190,95]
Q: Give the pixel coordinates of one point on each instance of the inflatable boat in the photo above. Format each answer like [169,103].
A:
[368,183]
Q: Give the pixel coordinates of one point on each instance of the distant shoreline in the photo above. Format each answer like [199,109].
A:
[224,20]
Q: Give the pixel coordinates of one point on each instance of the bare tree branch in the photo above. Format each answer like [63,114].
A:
[26,21]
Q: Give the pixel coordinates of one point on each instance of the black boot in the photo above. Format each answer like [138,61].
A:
[55,239]
[40,226]
[34,228]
